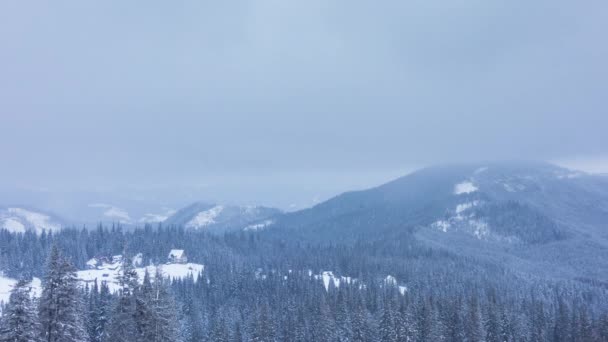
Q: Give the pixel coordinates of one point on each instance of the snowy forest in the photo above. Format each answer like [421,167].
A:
[258,287]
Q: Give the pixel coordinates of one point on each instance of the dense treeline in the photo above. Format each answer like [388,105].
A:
[258,287]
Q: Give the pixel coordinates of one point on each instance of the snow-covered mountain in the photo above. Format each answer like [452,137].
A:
[20,220]
[528,214]
[219,218]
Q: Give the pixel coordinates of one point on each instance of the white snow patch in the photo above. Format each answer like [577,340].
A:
[205,218]
[259,226]
[460,208]
[13,225]
[442,225]
[392,281]
[110,272]
[20,220]
[464,188]
[7,284]
[328,276]
[138,260]
[480,229]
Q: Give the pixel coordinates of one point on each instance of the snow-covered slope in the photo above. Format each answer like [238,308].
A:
[7,284]
[526,214]
[219,218]
[20,220]
[109,271]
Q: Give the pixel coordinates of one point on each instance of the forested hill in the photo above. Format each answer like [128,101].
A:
[492,252]
[529,216]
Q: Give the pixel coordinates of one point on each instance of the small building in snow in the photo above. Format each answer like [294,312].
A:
[177,256]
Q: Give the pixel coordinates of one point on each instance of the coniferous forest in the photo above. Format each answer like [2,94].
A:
[258,287]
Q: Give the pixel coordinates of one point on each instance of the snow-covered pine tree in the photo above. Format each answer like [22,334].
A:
[98,311]
[60,308]
[159,317]
[122,326]
[19,322]
[387,324]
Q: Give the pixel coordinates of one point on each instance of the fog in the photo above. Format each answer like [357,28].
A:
[286,103]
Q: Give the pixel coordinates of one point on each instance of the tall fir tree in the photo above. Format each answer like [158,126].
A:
[61,308]
[122,326]
[19,321]
[159,317]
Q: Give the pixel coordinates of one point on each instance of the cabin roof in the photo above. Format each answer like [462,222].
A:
[176,253]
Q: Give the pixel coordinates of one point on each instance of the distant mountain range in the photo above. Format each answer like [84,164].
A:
[532,216]
[214,218]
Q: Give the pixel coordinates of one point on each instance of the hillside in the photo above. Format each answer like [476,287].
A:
[522,214]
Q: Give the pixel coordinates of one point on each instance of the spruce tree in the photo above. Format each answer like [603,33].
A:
[19,322]
[161,319]
[122,326]
[60,308]
[387,325]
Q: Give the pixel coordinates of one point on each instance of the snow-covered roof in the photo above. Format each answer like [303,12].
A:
[176,253]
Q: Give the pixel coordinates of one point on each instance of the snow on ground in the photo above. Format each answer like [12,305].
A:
[465,206]
[6,285]
[110,272]
[392,281]
[480,228]
[173,271]
[259,226]
[466,222]
[205,218]
[328,276]
[465,187]
[442,225]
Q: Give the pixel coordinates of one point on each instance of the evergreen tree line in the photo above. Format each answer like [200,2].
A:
[256,288]
[65,312]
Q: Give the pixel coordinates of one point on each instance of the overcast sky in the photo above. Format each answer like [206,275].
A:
[272,100]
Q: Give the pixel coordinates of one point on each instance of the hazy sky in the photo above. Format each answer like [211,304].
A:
[269,99]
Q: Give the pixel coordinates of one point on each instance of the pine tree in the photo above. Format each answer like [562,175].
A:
[343,320]
[359,325]
[562,323]
[492,324]
[472,326]
[19,322]
[122,326]
[103,312]
[424,322]
[387,325]
[60,308]
[159,313]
